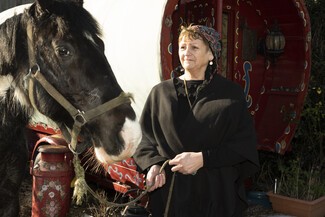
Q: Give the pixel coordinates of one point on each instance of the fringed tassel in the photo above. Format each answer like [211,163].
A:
[80,185]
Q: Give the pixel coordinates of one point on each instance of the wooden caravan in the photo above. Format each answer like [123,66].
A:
[275,81]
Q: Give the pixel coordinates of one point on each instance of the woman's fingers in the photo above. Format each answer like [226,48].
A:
[155,179]
[187,162]
[177,168]
[160,180]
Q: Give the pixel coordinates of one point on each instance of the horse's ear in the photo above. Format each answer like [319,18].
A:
[44,4]
[42,7]
[79,2]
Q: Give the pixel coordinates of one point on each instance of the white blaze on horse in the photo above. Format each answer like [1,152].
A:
[52,61]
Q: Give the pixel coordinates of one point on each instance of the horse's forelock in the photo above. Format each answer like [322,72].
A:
[62,27]
[66,17]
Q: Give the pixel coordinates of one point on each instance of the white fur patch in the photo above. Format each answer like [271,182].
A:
[5,83]
[131,134]
[21,97]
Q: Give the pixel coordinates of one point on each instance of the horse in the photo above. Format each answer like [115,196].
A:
[52,61]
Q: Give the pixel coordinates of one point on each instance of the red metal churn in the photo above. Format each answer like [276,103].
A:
[52,176]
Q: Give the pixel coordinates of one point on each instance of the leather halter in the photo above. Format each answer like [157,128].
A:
[80,117]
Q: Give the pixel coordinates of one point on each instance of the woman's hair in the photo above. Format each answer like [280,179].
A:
[190,33]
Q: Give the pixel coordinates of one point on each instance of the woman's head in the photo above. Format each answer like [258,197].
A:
[194,55]
[210,37]
[199,47]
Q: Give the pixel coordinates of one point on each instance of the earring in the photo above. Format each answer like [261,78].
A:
[210,62]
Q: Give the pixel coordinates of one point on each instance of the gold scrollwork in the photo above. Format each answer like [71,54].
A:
[168,21]
[268,63]
[302,14]
[257,107]
[170,49]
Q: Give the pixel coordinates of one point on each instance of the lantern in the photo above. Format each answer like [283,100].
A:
[274,42]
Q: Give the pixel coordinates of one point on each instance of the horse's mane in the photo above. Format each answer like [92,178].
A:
[10,34]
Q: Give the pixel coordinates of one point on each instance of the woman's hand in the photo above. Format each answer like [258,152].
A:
[187,162]
[155,179]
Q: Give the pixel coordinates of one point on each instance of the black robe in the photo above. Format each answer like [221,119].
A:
[221,127]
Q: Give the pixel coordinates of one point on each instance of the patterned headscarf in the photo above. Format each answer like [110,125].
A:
[211,36]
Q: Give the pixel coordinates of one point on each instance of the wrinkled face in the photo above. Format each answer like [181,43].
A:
[194,54]
[71,57]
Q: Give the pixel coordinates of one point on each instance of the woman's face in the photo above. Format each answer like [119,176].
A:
[194,55]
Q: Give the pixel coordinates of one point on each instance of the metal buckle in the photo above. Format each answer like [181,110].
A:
[80,118]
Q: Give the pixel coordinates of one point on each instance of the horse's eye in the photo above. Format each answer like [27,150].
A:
[64,52]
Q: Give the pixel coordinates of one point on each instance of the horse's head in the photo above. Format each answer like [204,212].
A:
[64,41]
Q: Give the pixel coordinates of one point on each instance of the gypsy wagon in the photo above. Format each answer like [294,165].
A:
[266,49]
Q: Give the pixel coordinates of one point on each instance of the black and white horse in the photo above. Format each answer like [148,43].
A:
[52,60]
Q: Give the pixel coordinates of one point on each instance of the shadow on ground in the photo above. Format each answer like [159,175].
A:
[92,210]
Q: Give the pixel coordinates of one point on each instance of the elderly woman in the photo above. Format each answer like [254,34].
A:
[200,122]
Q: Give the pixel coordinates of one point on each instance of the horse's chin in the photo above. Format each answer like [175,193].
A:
[104,158]
[131,135]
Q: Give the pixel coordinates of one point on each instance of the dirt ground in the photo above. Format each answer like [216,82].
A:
[92,210]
